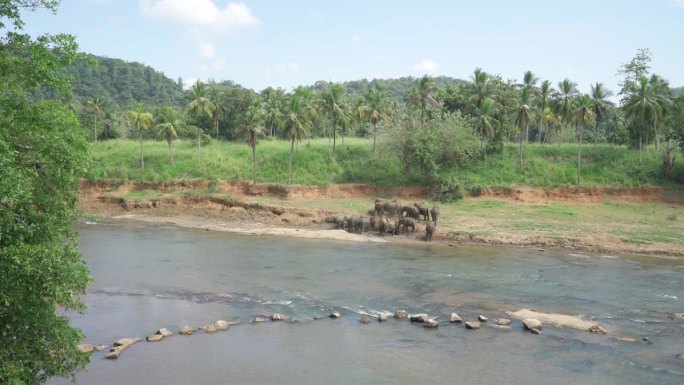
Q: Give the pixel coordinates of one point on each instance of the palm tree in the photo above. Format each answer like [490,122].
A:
[295,125]
[376,108]
[481,89]
[600,105]
[661,91]
[199,106]
[583,111]
[253,119]
[169,128]
[486,123]
[642,106]
[273,108]
[567,93]
[421,97]
[544,93]
[97,105]
[334,103]
[523,118]
[214,96]
[141,120]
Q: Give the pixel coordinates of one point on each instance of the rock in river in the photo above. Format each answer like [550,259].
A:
[335,315]
[86,348]
[155,338]
[187,330]
[482,318]
[473,325]
[503,322]
[164,332]
[430,323]
[382,317]
[422,317]
[532,323]
[454,318]
[399,314]
[221,325]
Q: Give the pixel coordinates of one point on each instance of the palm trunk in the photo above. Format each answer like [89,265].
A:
[216,122]
[579,153]
[521,148]
[375,133]
[199,138]
[484,149]
[541,122]
[655,128]
[254,163]
[95,130]
[289,173]
[560,136]
[334,138]
[170,150]
[640,147]
[422,117]
[142,158]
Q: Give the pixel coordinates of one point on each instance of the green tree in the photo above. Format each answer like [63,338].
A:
[273,104]
[642,106]
[632,72]
[481,89]
[97,105]
[141,120]
[661,93]
[334,103]
[254,119]
[486,124]
[200,105]
[601,106]
[584,112]
[421,97]
[376,108]
[523,118]
[567,93]
[215,95]
[295,125]
[169,127]
[544,94]
[43,156]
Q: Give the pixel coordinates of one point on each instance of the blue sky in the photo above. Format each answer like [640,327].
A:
[260,43]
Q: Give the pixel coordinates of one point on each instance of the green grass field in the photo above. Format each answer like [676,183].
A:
[545,166]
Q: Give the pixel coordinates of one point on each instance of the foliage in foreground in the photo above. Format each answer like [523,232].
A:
[43,155]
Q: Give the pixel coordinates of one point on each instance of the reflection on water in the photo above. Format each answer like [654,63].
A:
[147,278]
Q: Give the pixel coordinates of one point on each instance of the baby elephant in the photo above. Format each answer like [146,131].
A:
[429,231]
[435,213]
[406,223]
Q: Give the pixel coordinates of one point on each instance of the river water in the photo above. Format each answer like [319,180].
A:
[148,277]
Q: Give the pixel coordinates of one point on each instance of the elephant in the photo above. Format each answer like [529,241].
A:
[365,224]
[387,207]
[406,223]
[435,213]
[411,212]
[375,222]
[423,209]
[430,230]
[387,226]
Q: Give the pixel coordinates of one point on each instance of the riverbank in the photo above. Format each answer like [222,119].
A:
[646,221]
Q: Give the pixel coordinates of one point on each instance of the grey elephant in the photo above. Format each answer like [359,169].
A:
[407,223]
[387,226]
[424,210]
[411,212]
[435,213]
[429,231]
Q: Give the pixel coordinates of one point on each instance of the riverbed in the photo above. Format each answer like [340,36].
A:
[151,276]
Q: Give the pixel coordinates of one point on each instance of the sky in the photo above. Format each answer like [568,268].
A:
[262,43]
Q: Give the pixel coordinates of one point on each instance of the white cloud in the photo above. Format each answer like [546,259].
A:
[200,16]
[207,50]
[356,38]
[281,69]
[676,3]
[426,66]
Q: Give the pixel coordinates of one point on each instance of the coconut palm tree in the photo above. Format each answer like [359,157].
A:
[523,118]
[481,89]
[584,112]
[661,91]
[376,108]
[141,120]
[199,106]
[642,107]
[273,104]
[544,94]
[295,124]
[600,105]
[486,123]
[421,96]
[334,103]
[253,120]
[567,93]
[169,128]
[97,105]
[215,95]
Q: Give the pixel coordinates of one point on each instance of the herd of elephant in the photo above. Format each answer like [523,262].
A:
[390,218]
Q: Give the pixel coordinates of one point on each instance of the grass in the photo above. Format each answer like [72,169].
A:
[544,166]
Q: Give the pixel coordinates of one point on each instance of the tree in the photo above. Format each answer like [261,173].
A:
[141,120]
[642,106]
[43,156]
[295,125]
[661,93]
[255,115]
[544,93]
[169,127]
[486,123]
[600,105]
[637,68]
[214,96]
[481,89]
[376,108]
[530,84]
[97,105]
[273,99]
[584,113]
[334,103]
[567,94]
[421,96]
[523,118]
[200,105]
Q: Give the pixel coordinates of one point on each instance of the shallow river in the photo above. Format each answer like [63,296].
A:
[148,277]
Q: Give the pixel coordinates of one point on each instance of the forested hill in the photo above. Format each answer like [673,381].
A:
[123,84]
[397,89]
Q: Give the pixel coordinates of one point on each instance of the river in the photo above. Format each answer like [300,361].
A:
[147,277]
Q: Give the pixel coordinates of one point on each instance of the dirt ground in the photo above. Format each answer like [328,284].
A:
[301,211]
